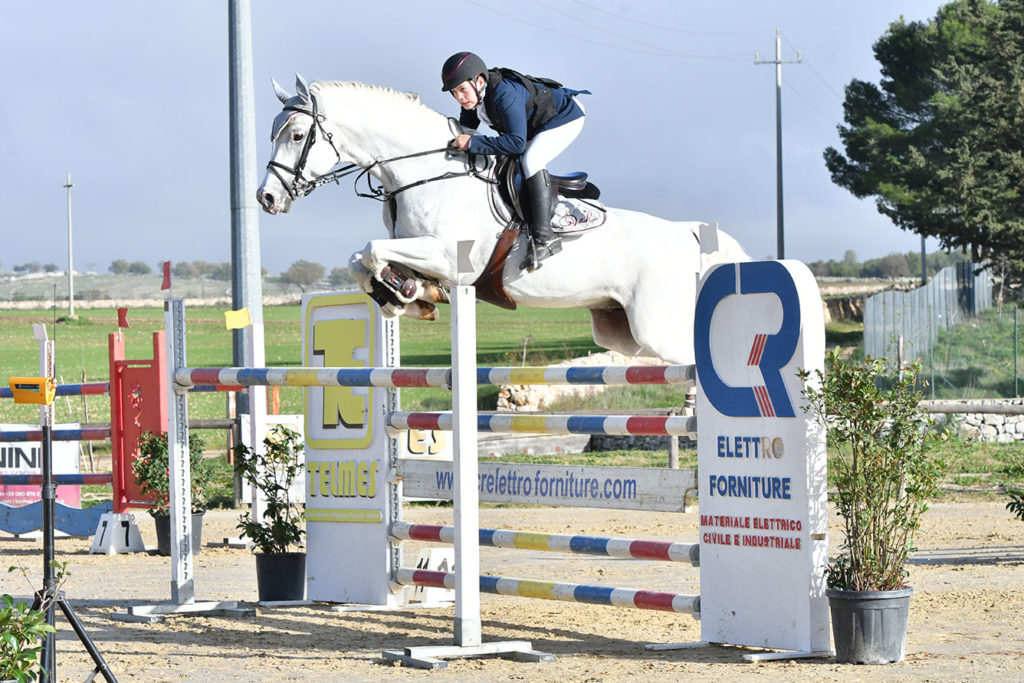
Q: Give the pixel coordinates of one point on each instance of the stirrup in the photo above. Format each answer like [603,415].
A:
[535,253]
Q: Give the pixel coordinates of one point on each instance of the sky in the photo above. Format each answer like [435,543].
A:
[132,99]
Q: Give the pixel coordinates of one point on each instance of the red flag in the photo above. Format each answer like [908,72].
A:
[167,276]
[122,317]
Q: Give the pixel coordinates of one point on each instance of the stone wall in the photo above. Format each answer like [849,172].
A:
[602,442]
[991,427]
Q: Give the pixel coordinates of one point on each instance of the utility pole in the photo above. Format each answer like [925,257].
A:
[71,268]
[924,264]
[778,62]
[246,283]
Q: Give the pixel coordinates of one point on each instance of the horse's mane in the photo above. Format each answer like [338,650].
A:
[413,98]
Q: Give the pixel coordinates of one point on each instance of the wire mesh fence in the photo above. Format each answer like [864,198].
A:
[905,325]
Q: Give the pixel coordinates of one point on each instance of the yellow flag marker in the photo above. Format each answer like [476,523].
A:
[236,320]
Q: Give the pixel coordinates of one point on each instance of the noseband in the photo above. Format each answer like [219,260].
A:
[300,187]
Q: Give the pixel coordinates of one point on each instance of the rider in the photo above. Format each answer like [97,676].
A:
[535,117]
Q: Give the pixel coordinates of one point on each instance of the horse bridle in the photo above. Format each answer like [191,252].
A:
[300,187]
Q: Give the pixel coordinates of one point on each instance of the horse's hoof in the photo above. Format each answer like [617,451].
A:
[404,287]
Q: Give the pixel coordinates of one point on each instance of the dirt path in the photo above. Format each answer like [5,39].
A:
[966,619]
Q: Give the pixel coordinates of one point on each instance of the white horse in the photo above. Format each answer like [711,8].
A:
[637,274]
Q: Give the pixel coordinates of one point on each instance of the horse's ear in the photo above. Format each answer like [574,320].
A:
[301,88]
[281,93]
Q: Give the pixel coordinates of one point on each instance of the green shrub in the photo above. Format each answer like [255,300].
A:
[151,469]
[883,470]
[22,630]
[272,472]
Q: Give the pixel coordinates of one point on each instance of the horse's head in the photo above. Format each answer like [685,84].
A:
[303,149]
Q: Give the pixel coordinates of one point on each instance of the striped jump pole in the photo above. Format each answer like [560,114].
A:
[59,479]
[668,551]
[315,377]
[220,378]
[84,389]
[608,375]
[92,434]
[550,590]
[103,388]
[555,424]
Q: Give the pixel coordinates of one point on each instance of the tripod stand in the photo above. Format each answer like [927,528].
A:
[41,390]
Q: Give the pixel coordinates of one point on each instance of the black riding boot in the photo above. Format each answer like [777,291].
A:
[543,240]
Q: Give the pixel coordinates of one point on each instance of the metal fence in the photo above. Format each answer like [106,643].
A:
[915,317]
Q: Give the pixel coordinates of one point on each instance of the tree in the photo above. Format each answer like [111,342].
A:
[139,268]
[221,271]
[939,142]
[340,277]
[893,266]
[303,274]
[184,269]
[51,268]
[119,266]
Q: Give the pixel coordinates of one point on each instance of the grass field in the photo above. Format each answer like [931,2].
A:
[540,336]
[530,336]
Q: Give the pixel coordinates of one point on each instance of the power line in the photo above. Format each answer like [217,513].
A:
[817,75]
[823,81]
[577,19]
[661,52]
[813,106]
[663,27]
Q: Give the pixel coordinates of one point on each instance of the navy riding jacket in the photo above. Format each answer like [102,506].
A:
[509,99]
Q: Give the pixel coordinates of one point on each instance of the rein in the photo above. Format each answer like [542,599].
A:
[299,186]
[382,195]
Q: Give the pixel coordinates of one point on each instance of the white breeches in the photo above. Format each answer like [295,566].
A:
[548,144]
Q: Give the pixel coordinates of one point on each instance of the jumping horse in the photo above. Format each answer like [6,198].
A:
[636,274]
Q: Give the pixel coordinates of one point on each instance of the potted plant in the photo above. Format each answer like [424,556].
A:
[151,468]
[884,476]
[23,629]
[277,532]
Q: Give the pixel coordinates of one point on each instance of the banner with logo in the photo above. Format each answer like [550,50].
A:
[761,460]
[349,500]
[26,457]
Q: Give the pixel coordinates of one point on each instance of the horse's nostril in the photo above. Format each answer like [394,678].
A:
[268,199]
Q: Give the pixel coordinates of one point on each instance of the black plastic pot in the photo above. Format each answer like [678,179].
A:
[281,576]
[869,627]
[163,533]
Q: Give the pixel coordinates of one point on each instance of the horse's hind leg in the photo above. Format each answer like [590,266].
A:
[610,328]
[663,325]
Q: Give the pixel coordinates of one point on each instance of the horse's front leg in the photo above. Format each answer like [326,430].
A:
[428,254]
[386,274]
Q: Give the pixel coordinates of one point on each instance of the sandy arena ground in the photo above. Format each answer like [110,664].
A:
[966,617]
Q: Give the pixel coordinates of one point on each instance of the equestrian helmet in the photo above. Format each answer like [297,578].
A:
[460,67]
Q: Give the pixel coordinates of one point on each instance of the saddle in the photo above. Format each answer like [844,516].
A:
[577,210]
[509,177]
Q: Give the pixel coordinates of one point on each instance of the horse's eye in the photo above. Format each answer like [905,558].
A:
[297,136]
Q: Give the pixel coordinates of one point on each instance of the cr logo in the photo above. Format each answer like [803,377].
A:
[770,353]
